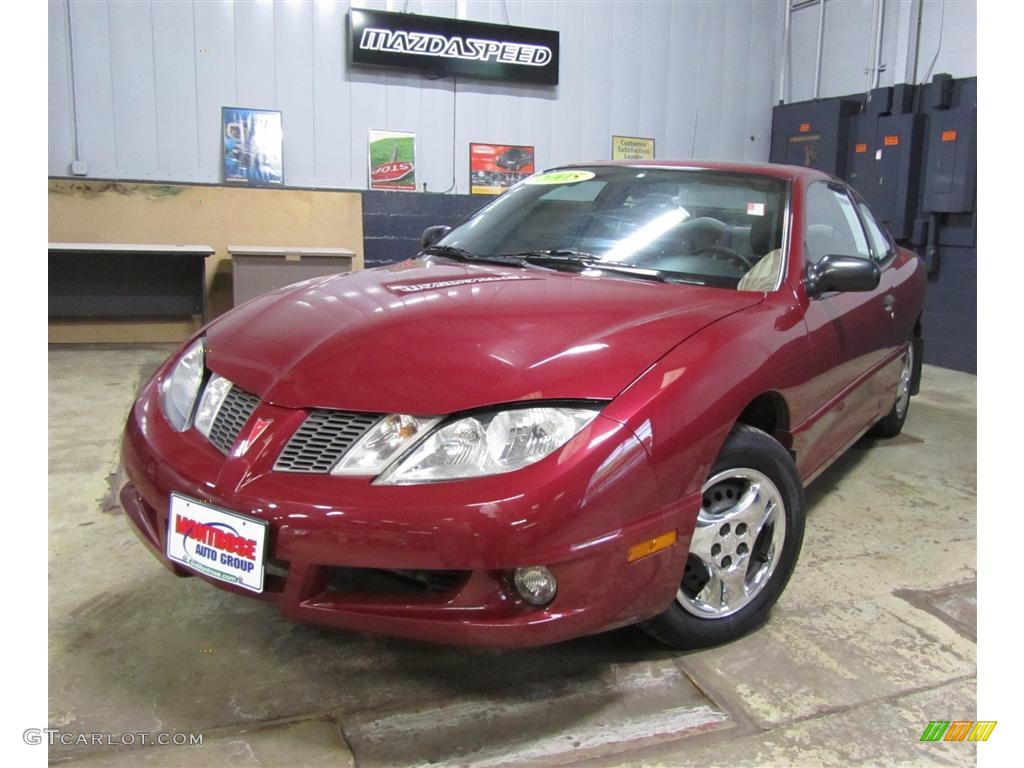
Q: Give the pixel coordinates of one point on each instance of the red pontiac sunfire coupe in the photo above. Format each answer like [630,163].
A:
[595,403]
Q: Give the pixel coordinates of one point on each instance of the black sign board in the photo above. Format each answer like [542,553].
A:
[441,47]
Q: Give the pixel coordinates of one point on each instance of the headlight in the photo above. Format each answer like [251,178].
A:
[179,389]
[386,440]
[489,444]
[216,391]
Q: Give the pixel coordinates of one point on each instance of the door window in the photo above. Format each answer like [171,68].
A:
[880,242]
[831,225]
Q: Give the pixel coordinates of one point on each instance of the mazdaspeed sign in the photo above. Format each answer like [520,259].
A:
[441,46]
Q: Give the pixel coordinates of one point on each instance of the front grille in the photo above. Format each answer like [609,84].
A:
[234,412]
[374,581]
[323,439]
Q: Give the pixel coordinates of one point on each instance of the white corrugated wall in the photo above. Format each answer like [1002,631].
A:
[152,75]
[945,41]
[699,76]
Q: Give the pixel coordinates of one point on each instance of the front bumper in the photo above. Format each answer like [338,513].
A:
[577,512]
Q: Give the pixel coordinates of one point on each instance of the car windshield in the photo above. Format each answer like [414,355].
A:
[688,225]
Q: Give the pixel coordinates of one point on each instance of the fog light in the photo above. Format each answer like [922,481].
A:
[536,584]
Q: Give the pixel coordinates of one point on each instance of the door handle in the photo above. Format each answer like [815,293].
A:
[889,302]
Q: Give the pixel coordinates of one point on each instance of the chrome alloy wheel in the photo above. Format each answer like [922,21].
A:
[737,542]
[903,398]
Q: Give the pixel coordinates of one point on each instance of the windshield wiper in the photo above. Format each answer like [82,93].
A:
[645,273]
[559,256]
[556,255]
[461,254]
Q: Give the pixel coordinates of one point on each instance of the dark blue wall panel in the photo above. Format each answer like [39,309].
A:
[950,323]
[394,221]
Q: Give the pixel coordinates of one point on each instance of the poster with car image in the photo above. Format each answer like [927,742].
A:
[252,147]
[393,160]
[493,168]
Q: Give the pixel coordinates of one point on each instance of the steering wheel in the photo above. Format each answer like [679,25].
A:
[726,252]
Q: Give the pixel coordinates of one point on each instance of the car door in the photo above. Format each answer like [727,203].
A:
[897,296]
[850,334]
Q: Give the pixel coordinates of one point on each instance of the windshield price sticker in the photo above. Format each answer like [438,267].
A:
[560,177]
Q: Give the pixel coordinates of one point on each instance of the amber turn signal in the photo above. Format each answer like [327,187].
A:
[650,546]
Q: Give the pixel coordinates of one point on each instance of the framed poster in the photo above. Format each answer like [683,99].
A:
[632,148]
[493,168]
[392,160]
[252,146]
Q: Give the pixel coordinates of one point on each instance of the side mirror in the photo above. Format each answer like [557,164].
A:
[841,273]
[432,234]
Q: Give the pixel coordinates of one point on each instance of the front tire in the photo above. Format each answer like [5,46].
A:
[744,546]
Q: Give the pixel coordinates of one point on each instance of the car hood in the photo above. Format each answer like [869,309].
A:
[437,337]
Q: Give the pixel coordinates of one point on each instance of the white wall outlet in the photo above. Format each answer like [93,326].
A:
[79,168]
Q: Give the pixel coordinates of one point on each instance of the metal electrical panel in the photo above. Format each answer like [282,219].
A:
[860,159]
[951,167]
[813,134]
[897,157]
[879,101]
[903,98]
[884,164]
[909,150]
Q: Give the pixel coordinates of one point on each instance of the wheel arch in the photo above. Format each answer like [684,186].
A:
[769,412]
[683,408]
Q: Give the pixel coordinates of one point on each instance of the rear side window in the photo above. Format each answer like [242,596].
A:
[831,225]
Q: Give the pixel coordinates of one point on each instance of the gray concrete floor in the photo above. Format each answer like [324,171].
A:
[874,637]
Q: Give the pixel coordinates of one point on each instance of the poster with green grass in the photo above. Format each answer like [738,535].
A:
[393,160]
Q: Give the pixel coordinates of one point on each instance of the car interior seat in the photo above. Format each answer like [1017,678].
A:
[764,275]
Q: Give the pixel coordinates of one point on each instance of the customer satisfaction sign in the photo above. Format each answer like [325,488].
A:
[440,46]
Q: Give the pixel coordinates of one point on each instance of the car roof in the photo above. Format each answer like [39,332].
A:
[777,170]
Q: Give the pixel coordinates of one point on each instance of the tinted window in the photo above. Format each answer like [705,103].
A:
[831,226]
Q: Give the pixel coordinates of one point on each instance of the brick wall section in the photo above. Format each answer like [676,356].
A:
[394,221]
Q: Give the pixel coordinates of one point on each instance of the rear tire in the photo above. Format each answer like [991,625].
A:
[892,423]
[744,546]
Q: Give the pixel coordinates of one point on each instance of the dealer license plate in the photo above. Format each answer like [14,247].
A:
[220,544]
